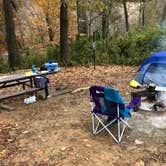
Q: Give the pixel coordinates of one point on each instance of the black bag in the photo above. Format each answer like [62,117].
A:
[41,82]
[43,68]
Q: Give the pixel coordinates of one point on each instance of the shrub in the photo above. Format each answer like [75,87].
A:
[80,52]
[3,66]
[31,56]
[135,46]
[131,48]
[53,52]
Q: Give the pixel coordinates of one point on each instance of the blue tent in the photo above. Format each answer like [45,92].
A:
[152,71]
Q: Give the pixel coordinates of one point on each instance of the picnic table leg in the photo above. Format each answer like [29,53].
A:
[23,85]
[31,82]
[46,91]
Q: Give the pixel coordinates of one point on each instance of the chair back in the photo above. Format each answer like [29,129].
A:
[97,96]
[103,106]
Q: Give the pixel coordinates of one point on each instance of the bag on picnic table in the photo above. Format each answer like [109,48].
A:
[41,82]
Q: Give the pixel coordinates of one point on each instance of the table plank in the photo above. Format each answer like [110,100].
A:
[22,76]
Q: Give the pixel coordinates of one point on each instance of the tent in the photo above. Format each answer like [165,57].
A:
[152,71]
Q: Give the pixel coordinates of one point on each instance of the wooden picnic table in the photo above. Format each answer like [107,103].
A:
[24,79]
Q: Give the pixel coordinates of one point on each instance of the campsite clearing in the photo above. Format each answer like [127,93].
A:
[56,131]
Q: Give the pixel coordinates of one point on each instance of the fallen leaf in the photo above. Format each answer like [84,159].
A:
[138,142]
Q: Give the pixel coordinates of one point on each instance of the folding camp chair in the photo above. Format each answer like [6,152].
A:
[108,108]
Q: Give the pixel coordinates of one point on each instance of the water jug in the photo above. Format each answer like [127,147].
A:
[33,69]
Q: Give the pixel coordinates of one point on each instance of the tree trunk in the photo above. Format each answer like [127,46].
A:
[163,19]
[142,13]
[105,24]
[89,23]
[40,30]
[13,55]
[81,19]
[50,30]
[64,46]
[126,15]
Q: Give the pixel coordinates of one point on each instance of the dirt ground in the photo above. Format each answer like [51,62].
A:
[57,131]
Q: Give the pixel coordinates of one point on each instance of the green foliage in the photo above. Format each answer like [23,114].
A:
[31,56]
[132,48]
[135,46]
[53,52]
[102,56]
[80,52]
[37,57]
[3,66]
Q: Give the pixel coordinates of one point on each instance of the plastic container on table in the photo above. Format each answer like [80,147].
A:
[51,66]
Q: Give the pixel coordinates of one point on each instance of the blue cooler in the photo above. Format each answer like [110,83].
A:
[51,66]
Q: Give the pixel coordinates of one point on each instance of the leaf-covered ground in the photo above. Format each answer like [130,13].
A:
[56,131]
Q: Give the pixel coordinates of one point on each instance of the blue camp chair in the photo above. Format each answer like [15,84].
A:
[108,108]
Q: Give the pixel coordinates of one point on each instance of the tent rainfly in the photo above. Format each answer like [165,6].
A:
[152,71]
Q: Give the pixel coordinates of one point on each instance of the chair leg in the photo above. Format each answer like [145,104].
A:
[121,129]
[125,124]
[94,128]
[119,132]
[105,127]
[108,124]
[94,125]
[92,116]
[122,132]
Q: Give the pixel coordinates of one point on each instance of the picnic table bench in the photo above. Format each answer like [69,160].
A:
[18,82]
[14,94]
